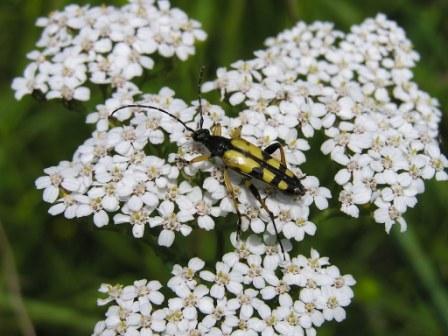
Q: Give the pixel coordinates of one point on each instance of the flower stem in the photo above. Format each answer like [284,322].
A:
[411,248]
[292,8]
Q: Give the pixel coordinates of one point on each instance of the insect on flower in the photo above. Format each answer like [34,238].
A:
[243,157]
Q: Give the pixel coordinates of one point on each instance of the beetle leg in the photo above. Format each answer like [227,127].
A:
[216,129]
[196,159]
[273,147]
[229,186]
[248,183]
[199,158]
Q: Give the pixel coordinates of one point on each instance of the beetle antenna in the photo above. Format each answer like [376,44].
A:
[157,109]
[201,77]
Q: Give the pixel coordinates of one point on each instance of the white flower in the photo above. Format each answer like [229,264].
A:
[146,292]
[269,321]
[62,175]
[155,169]
[294,147]
[255,216]
[148,125]
[358,86]
[103,114]
[222,310]
[29,82]
[276,287]
[315,193]
[353,195]
[138,218]
[306,308]
[145,321]
[244,248]
[225,278]
[196,299]
[332,303]
[195,203]
[191,308]
[214,184]
[92,203]
[185,276]
[104,46]
[255,274]
[67,205]
[342,283]
[246,301]
[437,164]
[170,222]
[125,139]
[299,225]
[177,321]
[389,214]
[113,292]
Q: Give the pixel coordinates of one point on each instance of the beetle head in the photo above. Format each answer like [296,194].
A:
[201,135]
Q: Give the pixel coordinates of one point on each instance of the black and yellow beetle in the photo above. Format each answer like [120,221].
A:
[244,158]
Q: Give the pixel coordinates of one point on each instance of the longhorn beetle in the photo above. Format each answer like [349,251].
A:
[243,157]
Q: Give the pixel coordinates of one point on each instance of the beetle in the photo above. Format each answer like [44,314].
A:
[243,157]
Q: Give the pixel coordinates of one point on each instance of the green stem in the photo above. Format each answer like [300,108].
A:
[292,8]
[415,255]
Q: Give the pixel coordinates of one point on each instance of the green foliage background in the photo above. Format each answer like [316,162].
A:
[402,278]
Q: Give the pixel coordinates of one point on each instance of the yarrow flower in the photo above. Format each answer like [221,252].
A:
[354,88]
[294,298]
[358,88]
[104,45]
[111,175]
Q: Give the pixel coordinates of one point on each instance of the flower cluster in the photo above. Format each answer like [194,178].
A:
[104,45]
[112,174]
[248,293]
[358,88]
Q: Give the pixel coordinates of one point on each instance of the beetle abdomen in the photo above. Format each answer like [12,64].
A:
[251,161]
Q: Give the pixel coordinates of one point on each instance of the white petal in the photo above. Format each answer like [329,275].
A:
[236,98]
[321,202]
[166,208]
[110,203]
[268,293]
[166,238]
[50,194]
[196,264]
[342,176]
[150,199]
[206,222]
[257,225]
[101,218]
[42,182]
[83,210]
[235,287]
[82,93]
[207,276]
[185,230]
[135,203]
[206,305]
[217,291]
[57,209]
[138,230]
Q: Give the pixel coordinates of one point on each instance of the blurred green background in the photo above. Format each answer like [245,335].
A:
[402,278]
